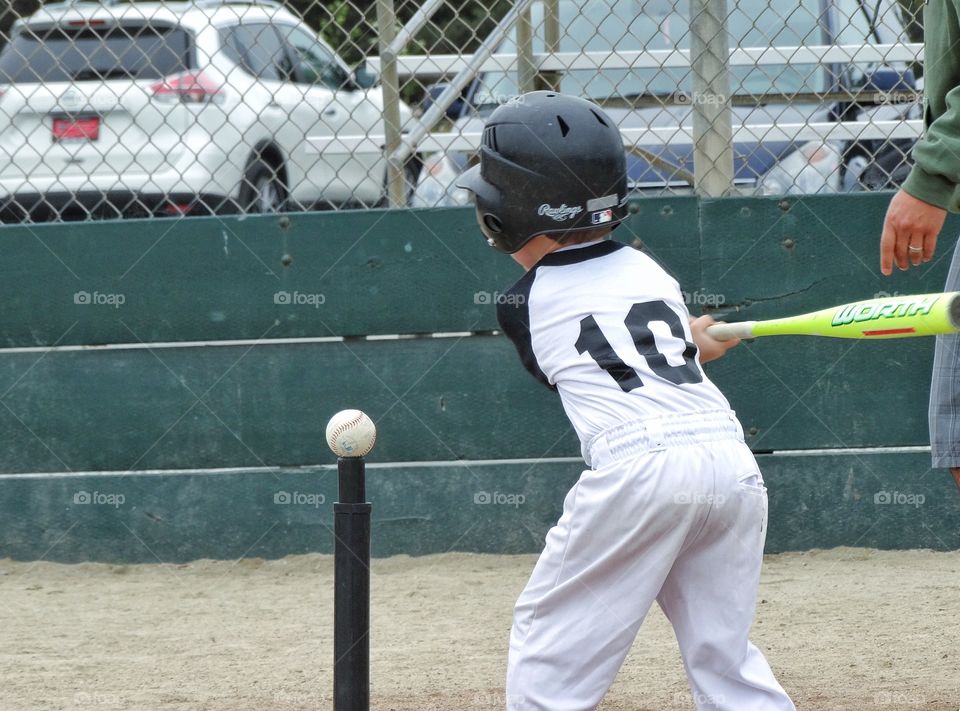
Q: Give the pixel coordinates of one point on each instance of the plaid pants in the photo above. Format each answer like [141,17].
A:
[945,388]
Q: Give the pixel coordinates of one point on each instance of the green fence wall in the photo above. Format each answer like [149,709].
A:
[164,384]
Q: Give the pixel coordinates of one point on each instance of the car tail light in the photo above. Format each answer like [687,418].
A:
[87,23]
[178,208]
[188,88]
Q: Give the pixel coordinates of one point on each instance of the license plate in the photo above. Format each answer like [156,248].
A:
[76,129]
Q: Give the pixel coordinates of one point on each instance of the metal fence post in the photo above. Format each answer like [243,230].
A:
[712,114]
[526,67]
[387,20]
[551,35]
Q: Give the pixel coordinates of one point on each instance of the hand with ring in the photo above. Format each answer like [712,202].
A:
[910,232]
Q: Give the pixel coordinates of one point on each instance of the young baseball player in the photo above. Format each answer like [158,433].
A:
[673,507]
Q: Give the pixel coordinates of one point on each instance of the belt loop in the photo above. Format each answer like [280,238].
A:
[599,451]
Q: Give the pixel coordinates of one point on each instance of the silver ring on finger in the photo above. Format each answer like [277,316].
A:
[915,249]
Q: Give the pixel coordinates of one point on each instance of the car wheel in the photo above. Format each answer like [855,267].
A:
[262,189]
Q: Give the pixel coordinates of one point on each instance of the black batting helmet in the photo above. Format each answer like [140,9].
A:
[550,164]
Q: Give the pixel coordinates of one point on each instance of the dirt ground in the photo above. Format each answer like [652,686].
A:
[844,629]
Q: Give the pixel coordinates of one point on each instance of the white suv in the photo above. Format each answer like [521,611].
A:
[110,110]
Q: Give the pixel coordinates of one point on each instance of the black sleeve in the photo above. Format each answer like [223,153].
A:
[513,314]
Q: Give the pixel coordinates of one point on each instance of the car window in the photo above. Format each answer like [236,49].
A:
[257,48]
[315,64]
[853,23]
[762,23]
[93,53]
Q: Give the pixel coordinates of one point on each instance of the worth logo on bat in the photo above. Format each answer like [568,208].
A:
[873,311]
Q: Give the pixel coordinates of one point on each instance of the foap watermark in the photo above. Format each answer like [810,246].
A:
[685,699]
[298,498]
[509,99]
[700,98]
[498,498]
[899,699]
[703,298]
[98,498]
[298,298]
[499,701]
[96,298]
[899,498]
[689,497]
[291,698]
[483,298]
[98,698]
[886,98]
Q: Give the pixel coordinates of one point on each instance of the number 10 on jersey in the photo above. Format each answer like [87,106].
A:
[593,341]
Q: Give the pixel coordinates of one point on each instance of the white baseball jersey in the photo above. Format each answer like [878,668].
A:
[673,508]
[606,326]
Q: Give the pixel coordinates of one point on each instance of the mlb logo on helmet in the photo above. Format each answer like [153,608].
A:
[600,209]
[598,218]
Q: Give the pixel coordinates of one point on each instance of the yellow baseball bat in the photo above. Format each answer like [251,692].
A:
[888,317]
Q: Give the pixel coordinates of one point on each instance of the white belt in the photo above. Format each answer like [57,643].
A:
[654,433]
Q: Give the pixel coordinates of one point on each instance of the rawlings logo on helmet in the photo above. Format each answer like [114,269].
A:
[559,214]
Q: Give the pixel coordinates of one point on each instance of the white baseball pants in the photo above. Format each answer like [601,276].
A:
[675,511]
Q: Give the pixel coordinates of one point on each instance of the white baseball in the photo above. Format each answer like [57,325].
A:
[351,433]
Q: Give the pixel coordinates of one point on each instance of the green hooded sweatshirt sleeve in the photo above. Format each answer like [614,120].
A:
[935,177]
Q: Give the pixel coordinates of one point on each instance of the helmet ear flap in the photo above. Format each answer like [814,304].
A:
[493,229]
[492,222]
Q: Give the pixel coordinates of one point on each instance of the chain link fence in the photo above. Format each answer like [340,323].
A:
[131,109]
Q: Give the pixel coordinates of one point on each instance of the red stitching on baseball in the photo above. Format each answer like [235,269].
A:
[332,441]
